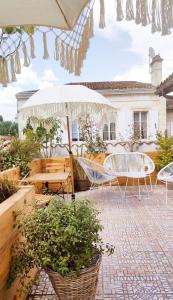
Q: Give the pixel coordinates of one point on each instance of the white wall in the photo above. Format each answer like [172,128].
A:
[126,102]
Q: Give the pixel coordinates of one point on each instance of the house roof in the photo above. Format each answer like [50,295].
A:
[99,85]
[115,85]
[166,86]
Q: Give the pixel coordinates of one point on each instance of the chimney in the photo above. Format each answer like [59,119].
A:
[156,70]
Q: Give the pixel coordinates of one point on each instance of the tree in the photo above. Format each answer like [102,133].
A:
[8,127]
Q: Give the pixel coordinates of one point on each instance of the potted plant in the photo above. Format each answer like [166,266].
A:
[63,238]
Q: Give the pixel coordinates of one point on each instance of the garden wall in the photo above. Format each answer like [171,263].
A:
[13,173]
[8,234]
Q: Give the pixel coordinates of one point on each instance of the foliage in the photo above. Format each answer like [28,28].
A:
[7,188]
[19,154]
[46,132]
[89,133]
[8,127]
[165,151]
[18,29]
[63,237]
[134,138]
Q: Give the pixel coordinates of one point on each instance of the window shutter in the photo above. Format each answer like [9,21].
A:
[153,124]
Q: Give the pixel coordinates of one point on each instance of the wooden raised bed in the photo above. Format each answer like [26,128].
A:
[12,173]
[8,234]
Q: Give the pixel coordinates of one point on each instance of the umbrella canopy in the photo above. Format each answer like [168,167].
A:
[55,13]
[66,100]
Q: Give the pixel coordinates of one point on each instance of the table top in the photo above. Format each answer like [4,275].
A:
[49,177]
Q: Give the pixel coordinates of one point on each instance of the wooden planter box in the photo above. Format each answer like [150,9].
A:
[8,235]
[12,173]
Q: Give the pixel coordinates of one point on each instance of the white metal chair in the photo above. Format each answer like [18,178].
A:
[97,174]
[133,165]
[165,175]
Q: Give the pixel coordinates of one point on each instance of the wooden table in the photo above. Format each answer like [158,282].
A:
[61,178]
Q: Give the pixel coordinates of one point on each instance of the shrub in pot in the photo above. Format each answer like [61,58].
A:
[64,239]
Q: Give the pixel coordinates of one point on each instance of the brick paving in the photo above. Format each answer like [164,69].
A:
[142,233]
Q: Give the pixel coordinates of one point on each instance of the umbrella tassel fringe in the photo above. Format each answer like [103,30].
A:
[45,48]
[5,74]
[119,10]
[12,65]
[62,54]
[102,15]
[91,24]
[56,54]
[32,46]
[25,55]
[17,63]
[129,10]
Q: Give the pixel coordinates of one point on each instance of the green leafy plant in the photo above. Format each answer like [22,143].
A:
[165,151]
[8,127]
[7,188]
[19,154]
[89,133]
[63,237]
[46,132]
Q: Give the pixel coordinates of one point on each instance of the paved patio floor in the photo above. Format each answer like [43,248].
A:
[142,232]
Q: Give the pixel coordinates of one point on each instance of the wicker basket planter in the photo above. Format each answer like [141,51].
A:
[82,287]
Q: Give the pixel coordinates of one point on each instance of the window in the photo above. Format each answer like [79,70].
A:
[140,124]
[109,131]
[105,132]
[75,131]
[112,131]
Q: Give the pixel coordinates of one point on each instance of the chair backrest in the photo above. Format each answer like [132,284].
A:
[129,162]
[166,172]
[94,171]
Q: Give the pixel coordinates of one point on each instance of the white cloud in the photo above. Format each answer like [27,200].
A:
[136,73]
[27,80]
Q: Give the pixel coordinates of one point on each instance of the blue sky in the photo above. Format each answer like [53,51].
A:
[119,52]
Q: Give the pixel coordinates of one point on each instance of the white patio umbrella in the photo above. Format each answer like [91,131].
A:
[61,14]
[67,101]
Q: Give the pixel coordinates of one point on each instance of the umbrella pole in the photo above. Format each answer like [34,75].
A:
[71,159]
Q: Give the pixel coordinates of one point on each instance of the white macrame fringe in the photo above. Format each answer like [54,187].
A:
[12,65]
[129,10]
[102,14]
[62,57]
[158,13]
[119,10]
[17,62]
[91,20]
[45,48]
[32,46]
[56,53]
[25,55]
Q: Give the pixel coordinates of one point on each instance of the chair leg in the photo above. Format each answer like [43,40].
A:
[119,189]
[125,188]
[151,188]
[166,192]
[139,190]
[146,186]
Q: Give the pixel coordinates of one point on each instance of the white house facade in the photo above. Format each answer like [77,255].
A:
[137,107]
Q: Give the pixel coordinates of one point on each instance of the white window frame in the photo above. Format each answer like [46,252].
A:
[140,111]
[109,131]
[76,132]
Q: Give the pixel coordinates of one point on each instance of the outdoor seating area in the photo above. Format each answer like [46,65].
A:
[142,264]
[86,150]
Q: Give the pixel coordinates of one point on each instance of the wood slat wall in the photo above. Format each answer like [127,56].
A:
[8,234]
[13,173]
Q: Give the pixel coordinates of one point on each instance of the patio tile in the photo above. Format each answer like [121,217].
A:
[142,264]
